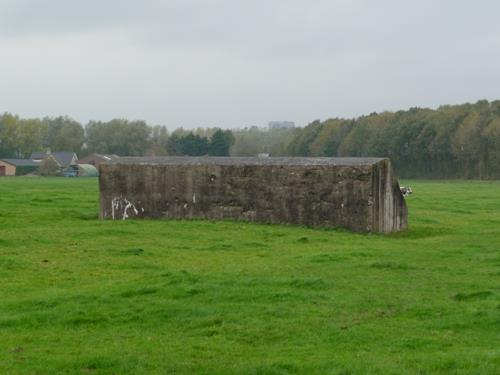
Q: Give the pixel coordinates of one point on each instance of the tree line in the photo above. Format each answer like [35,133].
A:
[452,141]
[20,137]
[459,141]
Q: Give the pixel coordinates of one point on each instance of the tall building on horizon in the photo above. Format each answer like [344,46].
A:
[281,125]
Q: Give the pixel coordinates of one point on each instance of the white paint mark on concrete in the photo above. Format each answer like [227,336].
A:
[194,197]
[115,205]
[127,207]
[119,203]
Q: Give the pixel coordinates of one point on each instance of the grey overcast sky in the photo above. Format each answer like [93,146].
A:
[235,63]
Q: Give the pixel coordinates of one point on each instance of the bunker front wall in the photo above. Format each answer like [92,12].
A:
[324,195]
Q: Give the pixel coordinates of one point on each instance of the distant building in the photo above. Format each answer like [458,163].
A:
[64,159]
[87,170]
[39,156]
[281,125]
[17,167]
[96,159]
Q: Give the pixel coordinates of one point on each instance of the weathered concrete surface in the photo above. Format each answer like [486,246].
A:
[360,194]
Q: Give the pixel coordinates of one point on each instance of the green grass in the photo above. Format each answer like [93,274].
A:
[83,296]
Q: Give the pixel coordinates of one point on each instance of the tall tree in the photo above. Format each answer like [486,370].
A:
[194,145]
[174,145]
[20,137]
[220,143]
[491,135]
[64,134]
[31,133]
[159,141]
[118,136]
[9,136]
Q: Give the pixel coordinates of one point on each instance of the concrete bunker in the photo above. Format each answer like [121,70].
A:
[360,194]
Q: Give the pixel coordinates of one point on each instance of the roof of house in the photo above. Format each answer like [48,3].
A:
[108,157]
[20,162]
[38,155]
[103,157]
[63,158]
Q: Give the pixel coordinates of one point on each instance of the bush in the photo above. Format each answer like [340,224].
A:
[48,167]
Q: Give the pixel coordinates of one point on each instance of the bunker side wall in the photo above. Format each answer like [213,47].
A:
[338,196]
[390,212]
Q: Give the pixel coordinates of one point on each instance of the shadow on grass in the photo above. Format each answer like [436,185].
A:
[472,296]
[391,266]
[421,232]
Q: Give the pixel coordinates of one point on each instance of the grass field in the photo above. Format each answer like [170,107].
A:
[83,296]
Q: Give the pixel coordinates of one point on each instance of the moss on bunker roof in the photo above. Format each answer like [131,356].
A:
[297,161]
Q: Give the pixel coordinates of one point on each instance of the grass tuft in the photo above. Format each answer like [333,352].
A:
[472,296]
[139,292]
[133,251]
[391,266]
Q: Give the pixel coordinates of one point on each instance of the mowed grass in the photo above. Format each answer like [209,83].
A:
[83,296]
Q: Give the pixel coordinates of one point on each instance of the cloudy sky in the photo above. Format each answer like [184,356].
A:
[234,63]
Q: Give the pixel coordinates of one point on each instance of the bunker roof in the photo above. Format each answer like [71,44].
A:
[236,161]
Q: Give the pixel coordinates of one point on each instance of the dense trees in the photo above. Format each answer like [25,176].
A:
[191,144]
[461,141]
[120,137]
[20,137]
[252,141]
[220,143]
[159,141]
[63,134]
